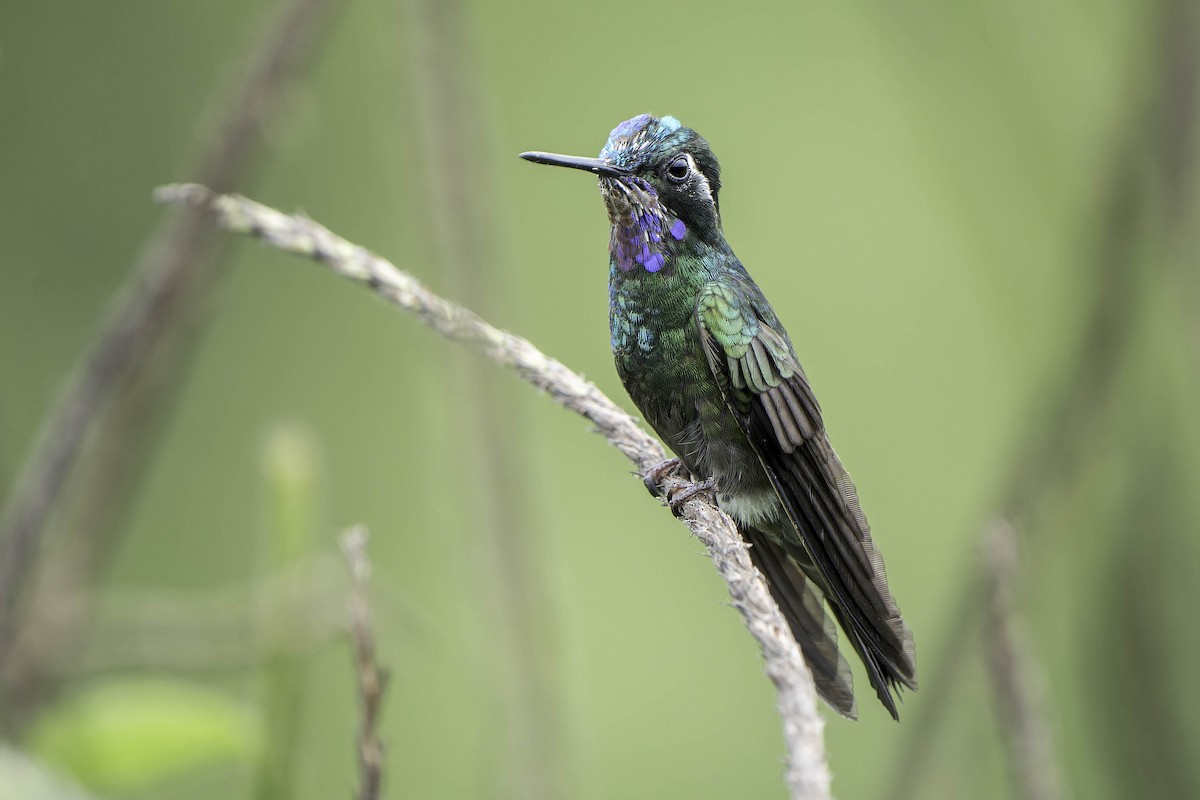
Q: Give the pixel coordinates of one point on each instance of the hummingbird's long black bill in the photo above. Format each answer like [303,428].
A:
[596,165]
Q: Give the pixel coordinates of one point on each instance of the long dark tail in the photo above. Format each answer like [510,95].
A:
[803,605]
[834,548]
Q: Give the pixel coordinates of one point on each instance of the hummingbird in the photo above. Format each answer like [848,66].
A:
[710,367]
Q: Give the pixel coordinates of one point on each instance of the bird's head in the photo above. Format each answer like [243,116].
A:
[660,182]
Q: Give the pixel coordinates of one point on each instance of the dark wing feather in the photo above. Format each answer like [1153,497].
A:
[766,390]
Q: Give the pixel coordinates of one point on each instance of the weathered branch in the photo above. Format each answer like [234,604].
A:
[807,771]
[371,679]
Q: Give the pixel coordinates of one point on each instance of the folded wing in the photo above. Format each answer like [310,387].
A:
[764,387]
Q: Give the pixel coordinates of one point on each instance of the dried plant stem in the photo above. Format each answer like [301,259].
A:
[371,679]
[807,772]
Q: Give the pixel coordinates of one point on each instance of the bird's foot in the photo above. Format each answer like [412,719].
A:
[659,471]
[676,499]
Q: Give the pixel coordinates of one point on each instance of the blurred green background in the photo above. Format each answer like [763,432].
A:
[956,209]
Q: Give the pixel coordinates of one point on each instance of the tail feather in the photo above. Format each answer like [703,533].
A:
[836,551]
[802,604]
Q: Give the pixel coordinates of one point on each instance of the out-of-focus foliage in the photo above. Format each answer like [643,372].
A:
[923,189]
[22,778]
[126,735]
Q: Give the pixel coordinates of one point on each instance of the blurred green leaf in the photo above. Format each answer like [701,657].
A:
[129,734]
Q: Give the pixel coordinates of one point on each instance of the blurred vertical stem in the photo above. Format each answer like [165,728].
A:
[450,126]
[84,468]
[1147,726]
[291,475]
[1152,160]
[1144,631]
[372,680]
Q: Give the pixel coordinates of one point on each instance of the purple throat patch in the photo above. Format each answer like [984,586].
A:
[638,220]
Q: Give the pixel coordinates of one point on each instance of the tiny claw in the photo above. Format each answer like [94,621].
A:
[656,473]
[677,499]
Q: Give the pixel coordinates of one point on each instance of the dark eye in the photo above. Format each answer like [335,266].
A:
[678,169]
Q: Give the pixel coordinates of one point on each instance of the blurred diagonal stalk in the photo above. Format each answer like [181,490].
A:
[1019,698]
[450,124]
[1180,156]
[807,771]
[81,472]
[1150,166]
